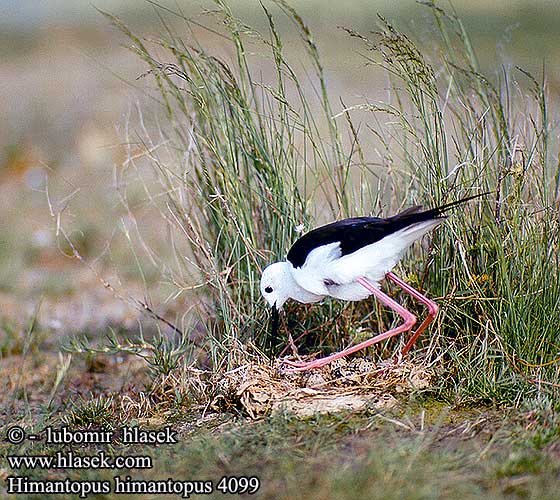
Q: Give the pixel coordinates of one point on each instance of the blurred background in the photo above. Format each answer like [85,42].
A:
[69,87]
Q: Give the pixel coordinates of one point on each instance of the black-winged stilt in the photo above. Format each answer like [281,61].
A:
[346,260]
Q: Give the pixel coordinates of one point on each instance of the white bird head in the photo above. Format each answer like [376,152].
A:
[276,283]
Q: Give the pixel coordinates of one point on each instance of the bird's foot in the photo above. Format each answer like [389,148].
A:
[302,366]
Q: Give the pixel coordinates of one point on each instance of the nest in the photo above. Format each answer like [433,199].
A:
[344,385]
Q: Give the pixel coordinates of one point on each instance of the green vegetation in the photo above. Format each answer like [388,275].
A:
[244,159]
[429,456]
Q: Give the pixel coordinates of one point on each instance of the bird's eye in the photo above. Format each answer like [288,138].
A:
[268,289]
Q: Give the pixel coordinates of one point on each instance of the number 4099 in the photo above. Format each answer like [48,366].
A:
[238,485]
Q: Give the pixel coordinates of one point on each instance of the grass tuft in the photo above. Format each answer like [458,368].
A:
[244,157]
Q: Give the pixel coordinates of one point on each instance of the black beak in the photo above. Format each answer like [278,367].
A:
[274,327]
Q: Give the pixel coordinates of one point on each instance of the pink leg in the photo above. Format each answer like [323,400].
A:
[409,321]
[432,309]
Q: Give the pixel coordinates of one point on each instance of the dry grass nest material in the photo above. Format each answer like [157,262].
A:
[356,384]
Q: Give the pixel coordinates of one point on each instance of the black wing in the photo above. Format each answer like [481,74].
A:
[358,232]
[352,234]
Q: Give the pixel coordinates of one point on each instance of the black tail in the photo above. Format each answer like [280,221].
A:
[438,211]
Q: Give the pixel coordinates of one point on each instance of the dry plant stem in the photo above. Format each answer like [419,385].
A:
[292,344]
[409,321]
[135,303]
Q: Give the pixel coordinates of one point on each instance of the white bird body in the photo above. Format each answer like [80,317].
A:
[328,273]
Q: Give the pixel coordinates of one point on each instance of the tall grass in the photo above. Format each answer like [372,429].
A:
[249,152]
